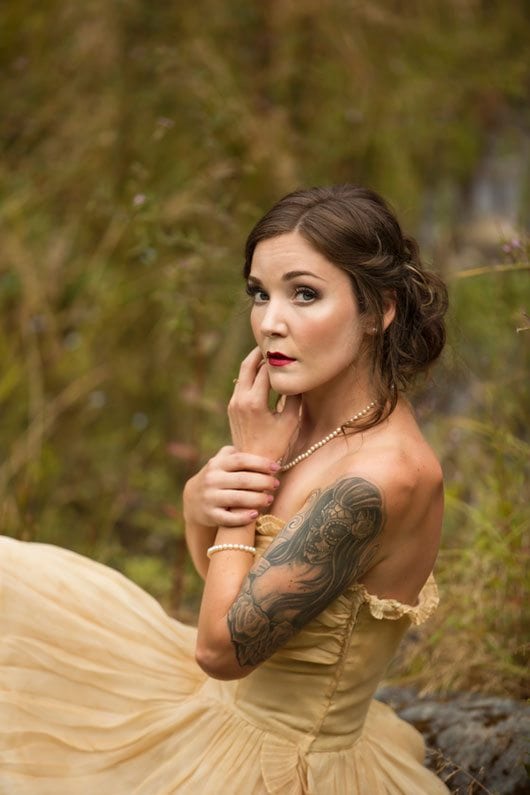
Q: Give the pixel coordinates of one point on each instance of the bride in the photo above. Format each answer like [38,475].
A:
[316,533]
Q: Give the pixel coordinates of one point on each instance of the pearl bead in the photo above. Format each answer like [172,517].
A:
[325,440]
[224,547]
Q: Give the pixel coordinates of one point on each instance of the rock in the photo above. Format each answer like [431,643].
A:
[476,744]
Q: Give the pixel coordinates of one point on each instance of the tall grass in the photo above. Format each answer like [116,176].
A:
[479,639]
[138,147]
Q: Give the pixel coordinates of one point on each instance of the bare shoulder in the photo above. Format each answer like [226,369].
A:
[404,469]
[394,460]
[405,473]
[388,488]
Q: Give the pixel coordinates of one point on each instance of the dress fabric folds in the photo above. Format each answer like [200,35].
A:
[100,693]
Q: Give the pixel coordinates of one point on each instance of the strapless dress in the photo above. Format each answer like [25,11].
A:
[100,693]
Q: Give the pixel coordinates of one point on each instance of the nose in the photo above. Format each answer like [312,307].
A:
[273,321]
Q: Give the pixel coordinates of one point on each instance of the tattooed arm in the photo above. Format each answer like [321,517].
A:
[317,554]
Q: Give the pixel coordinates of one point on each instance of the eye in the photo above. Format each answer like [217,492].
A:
[258,295]
[305,295]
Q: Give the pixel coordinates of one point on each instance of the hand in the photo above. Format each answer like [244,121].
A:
[230,490]
[255,428]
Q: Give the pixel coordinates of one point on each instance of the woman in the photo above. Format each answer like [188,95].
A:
[316,533]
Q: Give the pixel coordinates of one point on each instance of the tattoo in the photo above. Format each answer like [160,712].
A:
[313,559]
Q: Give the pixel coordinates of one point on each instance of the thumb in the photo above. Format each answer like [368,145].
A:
[291,407]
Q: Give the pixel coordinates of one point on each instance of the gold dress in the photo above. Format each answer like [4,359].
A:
[100,693]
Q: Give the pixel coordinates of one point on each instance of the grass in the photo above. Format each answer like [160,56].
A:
[138,150]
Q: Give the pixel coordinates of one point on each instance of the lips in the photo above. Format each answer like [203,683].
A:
[277,359]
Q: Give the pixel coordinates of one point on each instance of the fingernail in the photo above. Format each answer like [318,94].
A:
[254,514]
[276,484]
[274,467]
[269,499]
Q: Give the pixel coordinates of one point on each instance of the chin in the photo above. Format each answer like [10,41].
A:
[286,386]
[282,389]
[298,383]
[287,392]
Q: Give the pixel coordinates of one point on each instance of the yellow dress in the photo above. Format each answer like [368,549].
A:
[100,693]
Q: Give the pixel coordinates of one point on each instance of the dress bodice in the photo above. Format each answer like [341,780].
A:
[316,690]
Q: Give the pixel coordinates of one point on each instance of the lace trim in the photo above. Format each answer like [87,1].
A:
[392,609]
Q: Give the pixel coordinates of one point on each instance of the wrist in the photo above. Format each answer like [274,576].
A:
[236,535]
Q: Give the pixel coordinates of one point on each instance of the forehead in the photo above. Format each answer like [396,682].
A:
[289,253]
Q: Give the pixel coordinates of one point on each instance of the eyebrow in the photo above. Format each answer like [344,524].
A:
[288,276]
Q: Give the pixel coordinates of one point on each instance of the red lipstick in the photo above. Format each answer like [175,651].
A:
[277,359]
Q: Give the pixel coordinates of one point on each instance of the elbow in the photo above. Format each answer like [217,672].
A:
[219,665]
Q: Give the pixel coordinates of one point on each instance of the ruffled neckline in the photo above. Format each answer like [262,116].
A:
[268,525]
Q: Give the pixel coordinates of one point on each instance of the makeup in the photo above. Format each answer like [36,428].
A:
[277,359]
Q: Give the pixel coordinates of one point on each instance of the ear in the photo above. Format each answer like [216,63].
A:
[388,314]
[389,309]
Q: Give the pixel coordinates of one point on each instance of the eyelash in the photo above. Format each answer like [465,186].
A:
[253,290]
[309,293]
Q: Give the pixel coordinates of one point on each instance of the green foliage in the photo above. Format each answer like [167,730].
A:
[140,144]
[479,637]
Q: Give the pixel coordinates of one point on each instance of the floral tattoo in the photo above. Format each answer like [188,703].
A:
[314,558]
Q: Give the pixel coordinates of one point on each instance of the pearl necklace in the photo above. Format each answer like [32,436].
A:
[326,439]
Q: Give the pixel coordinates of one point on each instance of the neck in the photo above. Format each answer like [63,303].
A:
[326,408]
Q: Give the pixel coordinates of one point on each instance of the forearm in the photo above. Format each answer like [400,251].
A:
[198,539]
[198,536]
[229,491]
[227,570]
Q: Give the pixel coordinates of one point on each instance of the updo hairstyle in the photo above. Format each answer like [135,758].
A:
[355,229]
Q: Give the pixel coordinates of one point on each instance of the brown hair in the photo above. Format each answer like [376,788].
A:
[355,229]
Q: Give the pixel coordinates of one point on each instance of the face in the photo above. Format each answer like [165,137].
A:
[305,317]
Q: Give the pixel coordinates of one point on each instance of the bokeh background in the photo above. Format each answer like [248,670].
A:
[140,141]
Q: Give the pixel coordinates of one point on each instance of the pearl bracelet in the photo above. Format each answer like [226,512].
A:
[223,547]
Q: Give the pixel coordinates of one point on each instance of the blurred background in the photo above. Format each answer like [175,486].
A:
[140,142]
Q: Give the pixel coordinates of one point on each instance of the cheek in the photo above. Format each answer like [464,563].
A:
[255,326]
[337,335]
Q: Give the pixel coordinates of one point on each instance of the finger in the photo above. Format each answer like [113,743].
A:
[229,498]
[249,368]
[280,403]
[261,386]
[291,407]
[244,481]
[235,518]
[249,462]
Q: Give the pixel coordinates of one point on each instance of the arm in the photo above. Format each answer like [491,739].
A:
[238,482]
[228,491]
[259,432]
[317,554]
